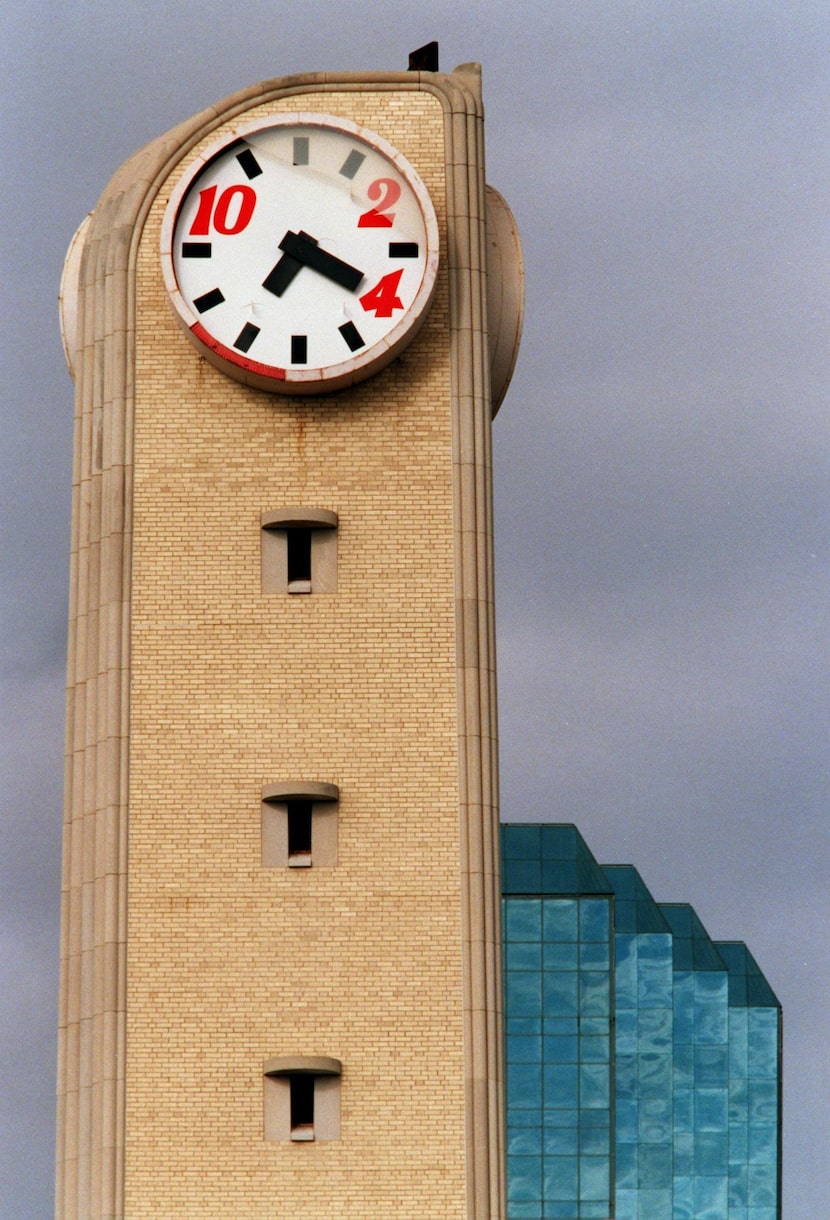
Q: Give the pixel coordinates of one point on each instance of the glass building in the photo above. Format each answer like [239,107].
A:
[643,1060]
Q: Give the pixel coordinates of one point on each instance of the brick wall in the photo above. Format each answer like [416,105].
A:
[230,963]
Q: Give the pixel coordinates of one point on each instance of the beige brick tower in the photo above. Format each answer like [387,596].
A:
[243,1035]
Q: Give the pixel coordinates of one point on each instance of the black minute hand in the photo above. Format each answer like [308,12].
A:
[301,250]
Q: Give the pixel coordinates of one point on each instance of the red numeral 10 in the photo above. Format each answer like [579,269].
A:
[240,200]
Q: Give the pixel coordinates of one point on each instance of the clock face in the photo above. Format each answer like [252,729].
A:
[300,252]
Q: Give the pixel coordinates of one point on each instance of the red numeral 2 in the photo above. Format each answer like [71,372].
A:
[222,223]
[383,298]
[387,192]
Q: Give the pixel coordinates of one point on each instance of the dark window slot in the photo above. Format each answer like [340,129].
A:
[299,828]
[299,554]
[302,1102]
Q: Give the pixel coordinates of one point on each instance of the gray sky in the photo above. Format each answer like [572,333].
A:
[661,458]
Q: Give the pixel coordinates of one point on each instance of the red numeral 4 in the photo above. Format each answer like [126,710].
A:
[383,298]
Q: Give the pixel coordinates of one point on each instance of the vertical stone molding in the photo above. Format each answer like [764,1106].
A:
[475,646]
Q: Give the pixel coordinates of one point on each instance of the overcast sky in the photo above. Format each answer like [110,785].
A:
[662,468]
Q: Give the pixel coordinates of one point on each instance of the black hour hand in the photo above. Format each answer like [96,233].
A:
[301,250]
[280,276]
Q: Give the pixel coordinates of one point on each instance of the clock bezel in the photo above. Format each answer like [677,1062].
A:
[310,380]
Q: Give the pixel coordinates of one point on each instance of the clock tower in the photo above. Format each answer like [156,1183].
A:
[289,321]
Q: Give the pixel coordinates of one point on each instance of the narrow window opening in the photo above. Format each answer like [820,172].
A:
[299,833]
[299,550]
[299,824]
[301,1098]
[299,560]
[302,1107]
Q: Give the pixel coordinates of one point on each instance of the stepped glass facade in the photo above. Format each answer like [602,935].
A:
[643,1060]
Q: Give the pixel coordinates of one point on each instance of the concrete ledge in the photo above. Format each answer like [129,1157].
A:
[297,517]
[300,790]
[299,1065]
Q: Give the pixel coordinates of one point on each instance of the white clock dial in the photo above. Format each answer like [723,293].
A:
[301,253]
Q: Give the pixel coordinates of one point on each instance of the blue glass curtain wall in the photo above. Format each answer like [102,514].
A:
[643,1061]
[644,1052]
